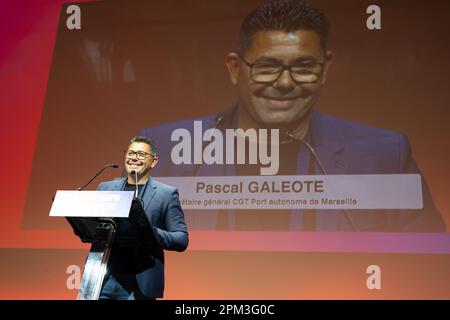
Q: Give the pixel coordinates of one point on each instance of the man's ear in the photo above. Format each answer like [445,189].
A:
[154,162]
[328,61]
[232,62]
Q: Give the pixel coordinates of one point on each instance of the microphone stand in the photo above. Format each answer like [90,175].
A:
[206,143]
[114,165]
[323,170]
[97,260]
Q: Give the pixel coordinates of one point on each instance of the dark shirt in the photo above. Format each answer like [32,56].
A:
[126,259]
[132,187]
[271,219]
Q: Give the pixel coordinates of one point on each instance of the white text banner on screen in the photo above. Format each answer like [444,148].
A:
[372,191]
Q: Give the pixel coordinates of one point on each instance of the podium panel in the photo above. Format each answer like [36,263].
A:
[95,218]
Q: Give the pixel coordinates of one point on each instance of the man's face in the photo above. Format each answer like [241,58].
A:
[138,158]
[284,101]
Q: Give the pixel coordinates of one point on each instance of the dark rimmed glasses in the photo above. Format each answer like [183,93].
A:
[140,155]
[268,72]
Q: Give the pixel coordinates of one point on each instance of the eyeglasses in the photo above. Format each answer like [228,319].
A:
[268,72]
[140,155]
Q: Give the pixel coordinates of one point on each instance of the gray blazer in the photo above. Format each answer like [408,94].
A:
[162,208]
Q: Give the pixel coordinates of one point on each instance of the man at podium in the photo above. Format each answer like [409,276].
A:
[137,271]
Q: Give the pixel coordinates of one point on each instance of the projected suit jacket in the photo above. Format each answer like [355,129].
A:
[163,210]
[344,147]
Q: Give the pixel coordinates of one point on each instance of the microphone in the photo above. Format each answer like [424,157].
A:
[322,169]
[136,193]
[113,165]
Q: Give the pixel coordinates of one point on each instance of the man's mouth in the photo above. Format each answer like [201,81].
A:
[135,165]
[280,102]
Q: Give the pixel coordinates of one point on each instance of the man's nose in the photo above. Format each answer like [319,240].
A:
[134,158]
[284,81]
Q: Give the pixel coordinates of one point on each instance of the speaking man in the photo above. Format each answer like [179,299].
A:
[137,272]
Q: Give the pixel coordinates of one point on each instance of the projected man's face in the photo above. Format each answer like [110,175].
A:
[280,76]
[139,158]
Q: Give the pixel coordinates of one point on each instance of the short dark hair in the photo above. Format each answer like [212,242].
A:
[150,142]
[283,15]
